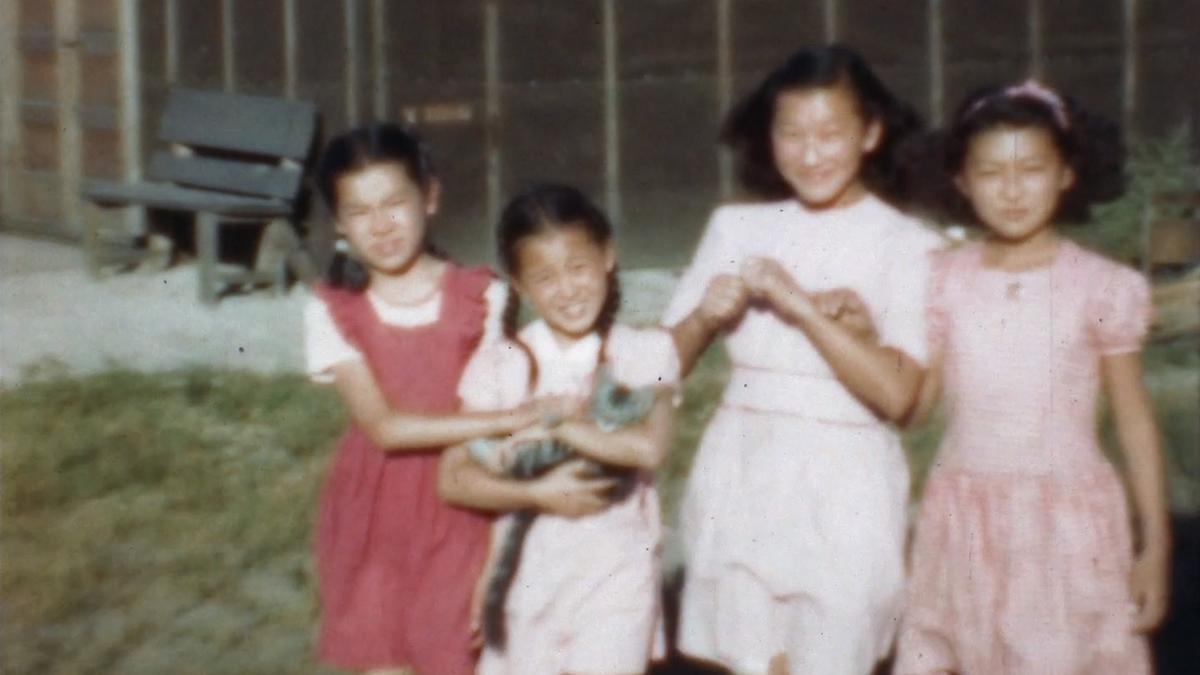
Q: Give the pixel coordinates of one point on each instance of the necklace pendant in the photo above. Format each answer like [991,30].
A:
[1014,290]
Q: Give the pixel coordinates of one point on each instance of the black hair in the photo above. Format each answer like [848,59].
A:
[747,127]
[546,208]
[353,151]
[1088,143]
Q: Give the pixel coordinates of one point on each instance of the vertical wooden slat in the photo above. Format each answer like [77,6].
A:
[350,18]
[612,122]
[171,42]
[10,84]
[937,75]
[228,66]
[1036,46]
[379,31]
[289,49]
[1129,66]
[129,108]
[724,92]
[70,166]
[830,8]
[491,67]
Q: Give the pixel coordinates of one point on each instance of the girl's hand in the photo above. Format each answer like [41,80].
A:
[555,409]
[724,300]
[769,282]
[569,490]
[847,308]
[1148,581]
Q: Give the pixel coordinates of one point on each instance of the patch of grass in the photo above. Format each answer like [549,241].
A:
[137,505]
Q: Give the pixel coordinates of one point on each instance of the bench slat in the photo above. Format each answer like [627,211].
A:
[238,123]
[247,178]
[175,197]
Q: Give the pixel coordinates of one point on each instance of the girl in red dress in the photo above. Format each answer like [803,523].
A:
[392,330]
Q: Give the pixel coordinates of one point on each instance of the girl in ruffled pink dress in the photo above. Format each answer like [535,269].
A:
[1023,560]
[392,329]
[794,515]
[585,598]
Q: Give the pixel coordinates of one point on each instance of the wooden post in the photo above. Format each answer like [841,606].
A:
[379,31]
[350,18]
[612,112]
[831,20]
[10,119]
[70,138]
[171,42]
[937,76]
[228,63]
[724,94]
[207,243]
[289,49]
[1129,67]
[491,61]
[1036,53]
[129,106]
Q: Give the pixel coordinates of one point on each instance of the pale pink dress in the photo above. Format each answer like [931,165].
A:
[1022,551]
[586,598]
[794,514]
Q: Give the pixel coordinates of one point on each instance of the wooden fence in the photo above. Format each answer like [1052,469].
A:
[622,97]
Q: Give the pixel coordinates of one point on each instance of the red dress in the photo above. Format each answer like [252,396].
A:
[396,564]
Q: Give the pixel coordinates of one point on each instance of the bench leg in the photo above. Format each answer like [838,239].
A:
[206,252]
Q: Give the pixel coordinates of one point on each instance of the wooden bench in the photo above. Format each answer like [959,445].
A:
[230,160]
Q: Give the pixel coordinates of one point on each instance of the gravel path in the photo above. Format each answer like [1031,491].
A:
[54,316]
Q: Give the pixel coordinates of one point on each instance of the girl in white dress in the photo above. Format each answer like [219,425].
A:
[794,514]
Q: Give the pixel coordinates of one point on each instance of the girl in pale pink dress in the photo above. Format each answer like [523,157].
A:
[1023,556]
[586,594]
[794,514]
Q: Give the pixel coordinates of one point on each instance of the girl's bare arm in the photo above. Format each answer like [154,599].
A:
[567,490]
[399,431]
[884,378]
[1138,434]
[643,445]
[723,302]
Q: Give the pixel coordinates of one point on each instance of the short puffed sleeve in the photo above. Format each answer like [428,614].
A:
[642,357]
[324,344]
[1121,311]
[902,317]
[495,378]
[496,297]
[716,254]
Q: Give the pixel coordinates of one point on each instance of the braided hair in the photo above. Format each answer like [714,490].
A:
[545,208]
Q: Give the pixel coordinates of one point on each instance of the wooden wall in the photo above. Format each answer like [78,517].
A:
[622,97]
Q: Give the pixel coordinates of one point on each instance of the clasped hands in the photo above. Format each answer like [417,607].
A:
[764,282]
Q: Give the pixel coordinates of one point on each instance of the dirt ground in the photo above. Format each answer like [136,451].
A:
[53,315]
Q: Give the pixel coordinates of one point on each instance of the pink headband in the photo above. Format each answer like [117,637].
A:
[1034,90]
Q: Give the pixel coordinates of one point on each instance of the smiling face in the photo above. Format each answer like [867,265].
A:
[1014,178]
[819,139]
[382,214]
[564,274]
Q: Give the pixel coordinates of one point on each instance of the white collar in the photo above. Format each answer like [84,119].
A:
[582,354]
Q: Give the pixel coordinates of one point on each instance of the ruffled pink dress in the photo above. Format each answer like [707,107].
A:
[1022,552]
[586,596]
[794,516]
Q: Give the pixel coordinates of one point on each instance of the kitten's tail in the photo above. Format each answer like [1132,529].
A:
[505,570]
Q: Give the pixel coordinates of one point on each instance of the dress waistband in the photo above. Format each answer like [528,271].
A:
[815,396]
